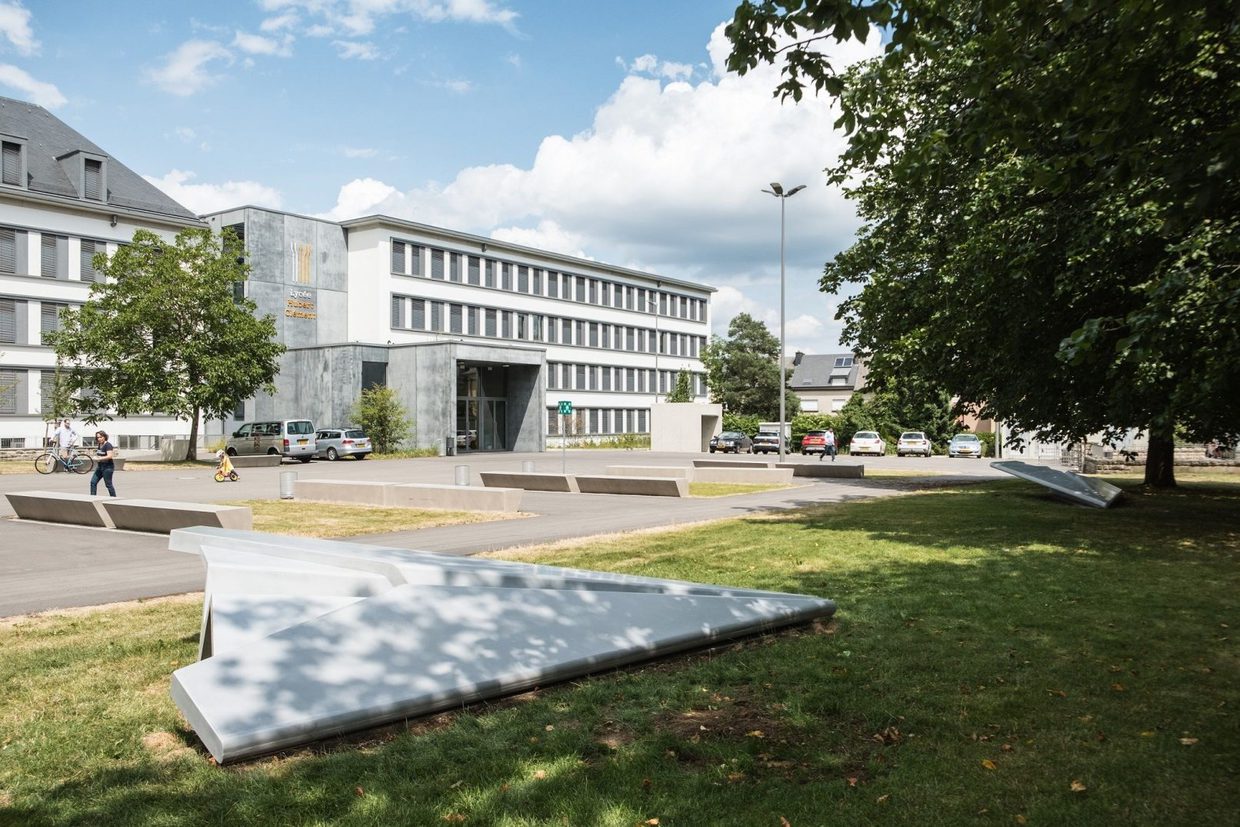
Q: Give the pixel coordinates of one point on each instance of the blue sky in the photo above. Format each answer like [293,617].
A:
[605,130]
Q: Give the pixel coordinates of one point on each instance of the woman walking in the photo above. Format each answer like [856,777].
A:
[105,452]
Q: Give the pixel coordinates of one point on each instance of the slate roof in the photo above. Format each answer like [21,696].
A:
[49,138]
[815,372]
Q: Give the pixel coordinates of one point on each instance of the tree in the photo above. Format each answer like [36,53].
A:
[162,333]
[743,370]
[1050,196]
[683,391]
[384,419]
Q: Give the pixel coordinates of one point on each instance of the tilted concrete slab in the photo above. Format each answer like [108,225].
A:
[751,476]
[824,468]
[1078,489]
[732,463]
[454,497]
[529,481]
[162,516]
[358,492]
[257,461]
[671,471]
[290,668]
[637,486]
[60,507]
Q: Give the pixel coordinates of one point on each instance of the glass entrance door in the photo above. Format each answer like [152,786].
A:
[481,414]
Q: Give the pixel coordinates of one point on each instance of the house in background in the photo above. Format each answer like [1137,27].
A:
[825,382]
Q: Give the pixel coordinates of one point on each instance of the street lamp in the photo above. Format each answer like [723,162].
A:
[777,190]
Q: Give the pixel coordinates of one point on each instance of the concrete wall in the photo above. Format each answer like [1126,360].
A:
[683,426]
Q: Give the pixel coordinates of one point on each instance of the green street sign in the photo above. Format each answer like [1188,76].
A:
[566,407]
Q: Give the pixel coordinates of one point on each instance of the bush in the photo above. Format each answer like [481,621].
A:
[745,423]
[378,412]
[988,444]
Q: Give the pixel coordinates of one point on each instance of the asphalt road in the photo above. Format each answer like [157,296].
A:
[44,566]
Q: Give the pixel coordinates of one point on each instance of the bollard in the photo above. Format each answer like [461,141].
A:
[462,475]
[288,480]
[527,466]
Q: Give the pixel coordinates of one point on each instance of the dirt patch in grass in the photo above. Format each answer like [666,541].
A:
[165,747]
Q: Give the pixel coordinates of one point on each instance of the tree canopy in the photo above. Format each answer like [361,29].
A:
[163,333]
[1050,197]
[742,369]
[682,391]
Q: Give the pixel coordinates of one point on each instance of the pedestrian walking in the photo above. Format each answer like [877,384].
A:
[830,439]
[66,439]
[105,453]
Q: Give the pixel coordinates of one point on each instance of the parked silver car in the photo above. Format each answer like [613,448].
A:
[289,437]
[335,443]
[913,442]
[965,445]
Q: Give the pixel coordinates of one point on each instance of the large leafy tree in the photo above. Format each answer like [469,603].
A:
[1051,195]
[742,369]
[163,333]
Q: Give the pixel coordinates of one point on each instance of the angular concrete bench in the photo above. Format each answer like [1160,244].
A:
[825,468]
[454,497]
[529,481]
[731,463]
[669,471]
[257,461]
[162,516]
[60,507]
[744,476]
[647,486]
[358,492]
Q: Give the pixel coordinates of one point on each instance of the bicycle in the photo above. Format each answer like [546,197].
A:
[77,463]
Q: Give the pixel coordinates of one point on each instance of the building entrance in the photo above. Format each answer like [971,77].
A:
[481,407]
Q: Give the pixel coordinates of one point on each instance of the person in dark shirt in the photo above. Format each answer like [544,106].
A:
[105,452]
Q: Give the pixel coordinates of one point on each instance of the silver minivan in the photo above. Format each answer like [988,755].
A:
[288,437]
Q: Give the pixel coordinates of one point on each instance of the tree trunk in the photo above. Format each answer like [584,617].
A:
[1160,462]
[191,451]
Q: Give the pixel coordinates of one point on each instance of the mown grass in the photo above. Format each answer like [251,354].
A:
[998,657]
[316,519]
[727,489]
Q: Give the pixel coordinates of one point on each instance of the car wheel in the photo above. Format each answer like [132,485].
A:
[304,459]
[232,452]
[271,451]
[712,450]
[332,455]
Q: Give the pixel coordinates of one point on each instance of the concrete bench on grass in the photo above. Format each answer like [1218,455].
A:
[825,468]
[358,492]
[162,516]
[731,463]
[257,461]
[744,476]
[529,481]
[669,471]
[60,507]
[454,497]
[645,486]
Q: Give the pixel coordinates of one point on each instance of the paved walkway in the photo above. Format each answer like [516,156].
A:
[46,567]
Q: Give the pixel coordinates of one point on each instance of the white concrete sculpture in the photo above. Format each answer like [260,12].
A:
[305,639]
[1078,489]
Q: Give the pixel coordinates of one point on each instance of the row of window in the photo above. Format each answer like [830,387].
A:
[87,172]
[411,260]
[568,376]
[590,421]
[13,320]
[13,396]
[411,313]
[53,255]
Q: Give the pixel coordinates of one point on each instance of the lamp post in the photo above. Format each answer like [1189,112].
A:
[777,190]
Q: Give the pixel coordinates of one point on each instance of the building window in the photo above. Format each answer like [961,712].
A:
[417,319]
[844,362]
[837,380]
[398,257]
[537,284]
[88,271]
[475,270]
[14,166]
[553,421]
[506,324]
[523,279]
[49,319]
[398,311]
[437,317]
[490,330]
[437,264]
[490,273]
[553,284]
[374,375]
[455,319]
[53,257]
[581,288]
[12,250]
[553,376]
[536,328]
[581,378]
[472,317]
[10,384]
[566,331]
[454,267]
[505,276]
[12,314]
[239,411]
[92,179]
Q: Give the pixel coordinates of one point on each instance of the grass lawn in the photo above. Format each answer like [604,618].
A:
[999,657]
[344,520]
[727,489]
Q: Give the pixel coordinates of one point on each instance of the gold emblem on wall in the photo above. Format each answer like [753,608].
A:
[304,253]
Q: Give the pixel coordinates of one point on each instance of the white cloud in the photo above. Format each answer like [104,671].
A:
[186,71]
[279,23]
[359,152]
[258,45]
[44,94]
[353,50]
[358,18]
[651,65]
[15,27]
[206,198]
[669,179]
[456,86]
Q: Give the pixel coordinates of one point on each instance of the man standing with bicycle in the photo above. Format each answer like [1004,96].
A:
[104,452]
[66,439]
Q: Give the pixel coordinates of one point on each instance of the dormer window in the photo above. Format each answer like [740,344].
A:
[88,173]
[92,179]
[13,162]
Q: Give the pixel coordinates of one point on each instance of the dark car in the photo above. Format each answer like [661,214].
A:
[766,442]
[734,441]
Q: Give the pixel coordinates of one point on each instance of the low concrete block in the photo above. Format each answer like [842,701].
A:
[60,507]
[669,471]
[529,481]
[162,516]
[454,497]
[646,486]
[257,461]
[750,476]
[731,463]
[825,468]
[358,492]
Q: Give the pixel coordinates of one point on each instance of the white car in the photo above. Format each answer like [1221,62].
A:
[867,442]
[965,445]
[913,442]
